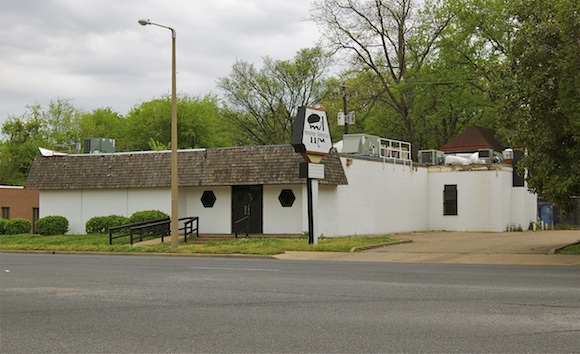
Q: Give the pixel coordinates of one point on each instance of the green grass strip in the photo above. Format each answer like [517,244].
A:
[259,246]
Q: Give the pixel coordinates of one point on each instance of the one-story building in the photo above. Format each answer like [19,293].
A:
[374,190]
[17,202]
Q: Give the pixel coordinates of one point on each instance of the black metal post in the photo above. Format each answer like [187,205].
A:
[310,212]
[343,87]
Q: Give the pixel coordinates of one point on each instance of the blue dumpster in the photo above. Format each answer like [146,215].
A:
[546,212]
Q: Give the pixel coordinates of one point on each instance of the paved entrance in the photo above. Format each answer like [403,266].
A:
[464,247]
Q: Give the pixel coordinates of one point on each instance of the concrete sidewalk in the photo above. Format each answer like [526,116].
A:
[530,248]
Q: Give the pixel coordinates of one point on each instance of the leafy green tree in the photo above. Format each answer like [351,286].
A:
[529,51]
[103,123]
[17,151]
[541,90]
[452,92]
[148,126]
[63,121]
[482,36]
[38,127]
[261,104]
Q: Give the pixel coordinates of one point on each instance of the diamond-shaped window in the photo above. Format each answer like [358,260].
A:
[208,199]
[286,198]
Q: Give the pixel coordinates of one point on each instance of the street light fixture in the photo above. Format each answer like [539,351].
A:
[174,179]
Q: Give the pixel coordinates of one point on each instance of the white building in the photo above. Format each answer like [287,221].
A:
[364,192]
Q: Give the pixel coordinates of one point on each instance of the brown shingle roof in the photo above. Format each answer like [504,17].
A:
[272,164]
[472,139]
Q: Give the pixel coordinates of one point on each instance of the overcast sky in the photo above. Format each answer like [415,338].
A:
[94,52]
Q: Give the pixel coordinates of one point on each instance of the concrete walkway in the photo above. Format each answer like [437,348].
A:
[531,248]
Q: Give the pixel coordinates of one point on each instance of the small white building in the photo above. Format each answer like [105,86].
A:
[364,192]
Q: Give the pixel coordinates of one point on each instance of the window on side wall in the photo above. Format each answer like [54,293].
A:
[35,217]
[450,199]
[5,213]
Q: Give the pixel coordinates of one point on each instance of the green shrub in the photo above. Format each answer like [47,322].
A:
[17,226]
[3,226]
[52,225]
[101,224]
[146,215]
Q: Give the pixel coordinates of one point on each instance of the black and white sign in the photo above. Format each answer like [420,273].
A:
[311,132]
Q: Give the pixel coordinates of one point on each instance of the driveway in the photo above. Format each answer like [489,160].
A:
[531,248]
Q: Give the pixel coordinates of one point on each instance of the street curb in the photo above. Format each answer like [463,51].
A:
[138,254]
[378,245]
[558,249]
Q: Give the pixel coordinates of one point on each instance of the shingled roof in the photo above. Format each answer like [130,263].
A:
[272,164]
[472,139]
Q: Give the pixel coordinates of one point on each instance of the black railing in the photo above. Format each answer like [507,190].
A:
[127,229]
[157,227]
[188,227]
[245,226]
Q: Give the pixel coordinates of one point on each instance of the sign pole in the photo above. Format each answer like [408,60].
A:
[311,231]
[311,138]
[343,89]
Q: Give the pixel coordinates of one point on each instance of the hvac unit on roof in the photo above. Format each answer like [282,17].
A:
[431,157]
[508,154]
[362,144]
[98,145]
[485,154]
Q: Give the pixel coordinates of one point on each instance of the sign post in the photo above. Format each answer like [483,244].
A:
[311,138]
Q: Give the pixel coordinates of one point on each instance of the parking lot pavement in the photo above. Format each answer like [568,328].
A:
[531,248]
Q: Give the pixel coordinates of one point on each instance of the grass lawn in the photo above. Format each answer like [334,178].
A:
[260,246]
[574,249]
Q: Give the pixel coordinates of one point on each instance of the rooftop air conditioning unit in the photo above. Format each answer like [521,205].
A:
[98,145]
[508,154]
[431,157]
[485,154]
[362,144]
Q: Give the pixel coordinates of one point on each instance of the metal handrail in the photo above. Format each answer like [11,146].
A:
[129,226]
[139,228]
[247,228]
[396,150]
[188,227]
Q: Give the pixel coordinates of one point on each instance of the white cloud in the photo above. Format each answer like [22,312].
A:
[95,53]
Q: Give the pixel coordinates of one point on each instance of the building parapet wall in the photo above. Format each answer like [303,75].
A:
[473,167]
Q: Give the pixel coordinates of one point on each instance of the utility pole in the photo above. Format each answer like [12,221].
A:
[343,92]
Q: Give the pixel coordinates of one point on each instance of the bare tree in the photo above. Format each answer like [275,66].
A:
[390,39]
[262,103]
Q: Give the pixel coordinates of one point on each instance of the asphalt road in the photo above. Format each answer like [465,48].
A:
[140,304]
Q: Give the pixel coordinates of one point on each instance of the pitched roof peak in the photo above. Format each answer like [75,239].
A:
[472,139]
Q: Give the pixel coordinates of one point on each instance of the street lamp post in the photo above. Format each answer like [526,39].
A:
[174,179]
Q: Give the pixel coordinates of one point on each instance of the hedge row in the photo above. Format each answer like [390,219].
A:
[101,224]
[49,225]
[58,225]
[14,226]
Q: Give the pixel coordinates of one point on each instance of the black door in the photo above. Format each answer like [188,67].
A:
[247,201]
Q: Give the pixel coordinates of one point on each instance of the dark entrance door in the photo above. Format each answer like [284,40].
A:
[247,201]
